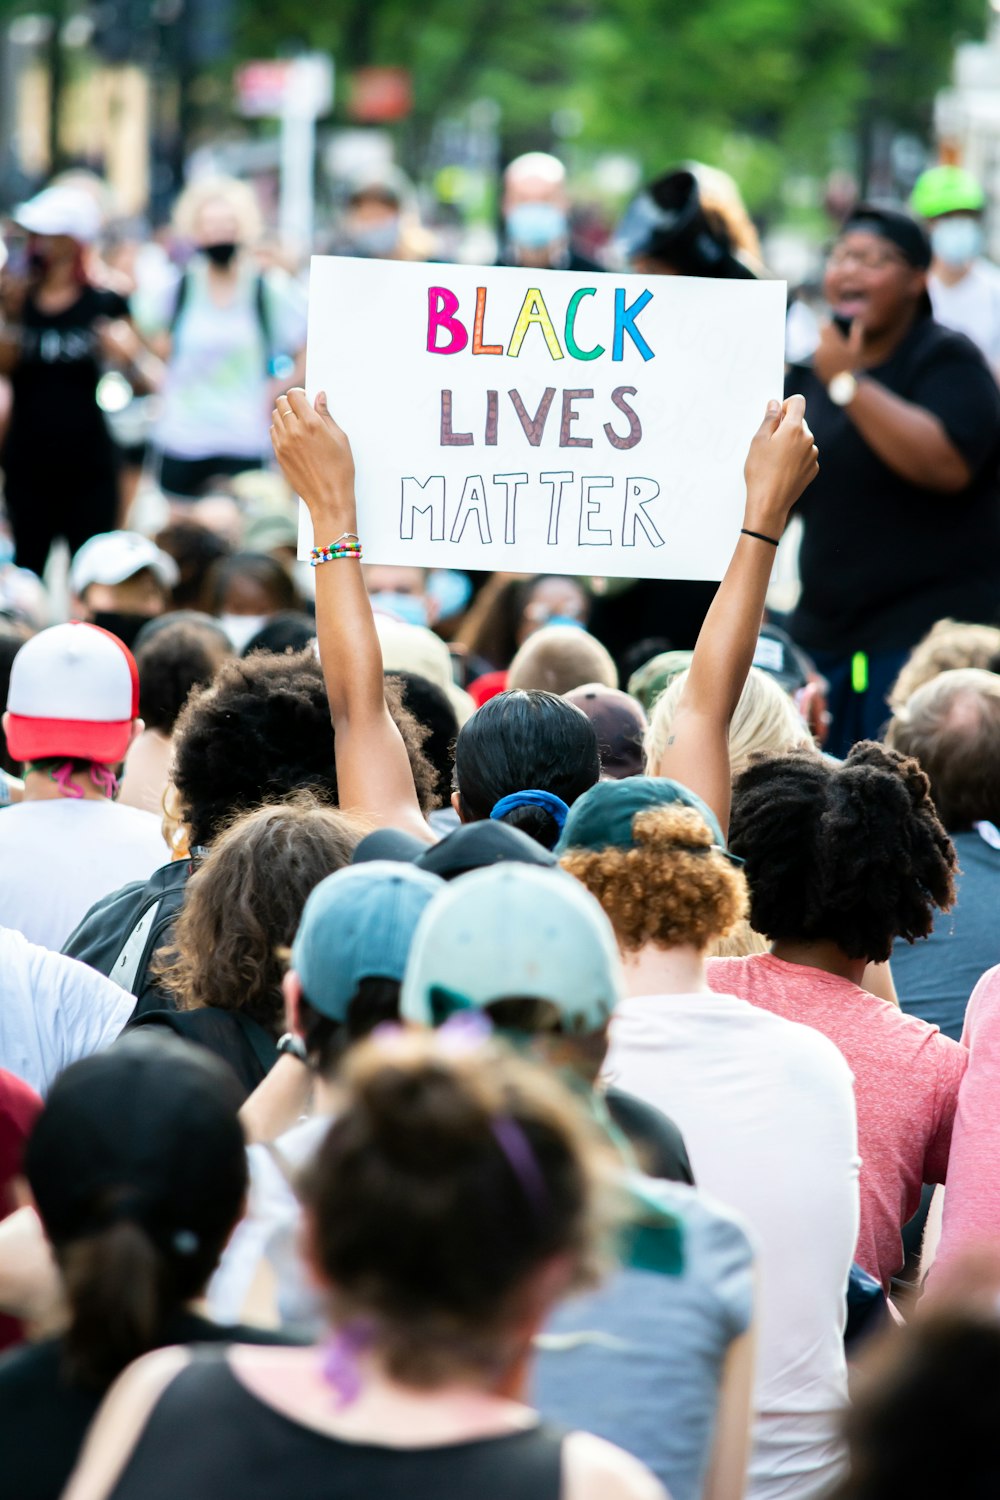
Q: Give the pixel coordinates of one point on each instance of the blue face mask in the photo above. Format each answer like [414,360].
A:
[957,241]
[533,226]
[410,608]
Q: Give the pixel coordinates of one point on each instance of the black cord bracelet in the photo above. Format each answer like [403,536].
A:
[758,536]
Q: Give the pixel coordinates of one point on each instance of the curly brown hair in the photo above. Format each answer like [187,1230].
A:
[672,888]
[243,904]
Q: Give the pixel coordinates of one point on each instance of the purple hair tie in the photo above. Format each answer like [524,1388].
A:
[340,1361]
[521,1159]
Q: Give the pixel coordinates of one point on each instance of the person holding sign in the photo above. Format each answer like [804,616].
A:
[373,770]
[903,527]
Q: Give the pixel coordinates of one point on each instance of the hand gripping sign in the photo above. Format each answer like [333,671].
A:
[543,421]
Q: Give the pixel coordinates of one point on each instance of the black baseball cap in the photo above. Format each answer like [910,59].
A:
[473,846]
[147,1131]
[901,229]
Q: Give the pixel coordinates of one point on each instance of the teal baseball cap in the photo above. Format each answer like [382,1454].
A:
[358,924]
[603,817]
[513,931]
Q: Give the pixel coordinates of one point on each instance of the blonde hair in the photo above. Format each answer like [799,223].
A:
[672,888]
[947,646]
[238,197]
[559,658]
[766,722]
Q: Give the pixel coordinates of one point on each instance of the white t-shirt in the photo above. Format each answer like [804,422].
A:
[971,306]
[216,399]
[766,1108]
[53,1010]
[57,858]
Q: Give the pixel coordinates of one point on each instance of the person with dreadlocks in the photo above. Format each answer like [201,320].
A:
[72,713]
[841,861]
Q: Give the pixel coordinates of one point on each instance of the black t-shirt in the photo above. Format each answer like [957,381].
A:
[55,416]
[882,559]
[44,1418]
[656,1142]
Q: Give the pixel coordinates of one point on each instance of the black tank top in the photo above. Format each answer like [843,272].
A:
[209,1437]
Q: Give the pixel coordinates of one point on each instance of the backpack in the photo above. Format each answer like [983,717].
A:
[121,933]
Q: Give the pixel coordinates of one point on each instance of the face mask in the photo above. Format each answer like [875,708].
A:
[450,590]
[222,255]
[533,226]
[957,241]
[410,608]
[122,623]
[241,629]
[375,239]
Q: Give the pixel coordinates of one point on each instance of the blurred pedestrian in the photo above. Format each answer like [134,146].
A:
[964,286]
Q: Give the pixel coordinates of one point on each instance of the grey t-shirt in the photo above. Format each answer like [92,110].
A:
[935,976]
[639,1361]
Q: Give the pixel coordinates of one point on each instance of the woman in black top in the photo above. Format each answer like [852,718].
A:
[456,1196]
[60,462]
[902,525]
[138,1168]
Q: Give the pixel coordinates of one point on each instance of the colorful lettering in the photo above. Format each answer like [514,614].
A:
[441,308]
[571,311]
[478,347]
[533,310]
[625,324]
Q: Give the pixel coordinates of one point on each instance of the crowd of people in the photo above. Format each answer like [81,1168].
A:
[495,1035]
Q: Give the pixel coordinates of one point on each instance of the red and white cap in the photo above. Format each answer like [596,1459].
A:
[74,691]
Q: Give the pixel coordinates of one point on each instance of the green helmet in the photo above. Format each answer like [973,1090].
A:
[946,190]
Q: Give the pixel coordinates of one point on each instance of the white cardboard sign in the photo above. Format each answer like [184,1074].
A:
[544,421]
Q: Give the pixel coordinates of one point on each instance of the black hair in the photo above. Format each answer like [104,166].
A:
[262,568]
[181,655]
[374,1002]
[288,630]
[940,1374]
[851,853]
[430,706]
[260,730]
[194,548]
[525,741]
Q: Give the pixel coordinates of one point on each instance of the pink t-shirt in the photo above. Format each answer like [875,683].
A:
[972,1202]
[906,1082]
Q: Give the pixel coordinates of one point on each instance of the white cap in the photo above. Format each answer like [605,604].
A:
[514,932]
[113,556]
[61,209]
[74,692]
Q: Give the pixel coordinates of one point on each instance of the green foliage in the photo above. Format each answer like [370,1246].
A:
[767,81]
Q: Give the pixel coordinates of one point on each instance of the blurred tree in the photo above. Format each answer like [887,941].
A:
[661,78]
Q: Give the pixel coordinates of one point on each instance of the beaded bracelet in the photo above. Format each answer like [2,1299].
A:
[346,545]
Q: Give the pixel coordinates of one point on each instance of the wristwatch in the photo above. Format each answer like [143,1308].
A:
[290,1044]
[842,388]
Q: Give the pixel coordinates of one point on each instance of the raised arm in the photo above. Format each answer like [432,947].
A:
[373,768]
[781,462]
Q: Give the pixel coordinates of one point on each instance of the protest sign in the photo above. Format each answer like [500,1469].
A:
[544,421]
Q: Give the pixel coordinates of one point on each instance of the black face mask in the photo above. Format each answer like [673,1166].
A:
[222,254]
[122,623]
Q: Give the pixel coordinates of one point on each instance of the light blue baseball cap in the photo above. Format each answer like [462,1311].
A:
[358,924]
[513,931]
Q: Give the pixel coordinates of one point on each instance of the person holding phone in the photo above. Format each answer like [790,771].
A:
[58,329]
[902,525]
